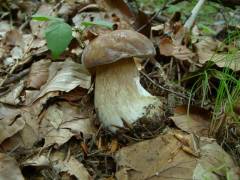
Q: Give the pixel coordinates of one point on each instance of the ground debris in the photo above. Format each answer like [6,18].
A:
[49,123]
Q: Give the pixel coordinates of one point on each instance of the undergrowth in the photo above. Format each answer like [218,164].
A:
[213,87]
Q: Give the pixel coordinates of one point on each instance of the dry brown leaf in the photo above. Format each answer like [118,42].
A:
[4,28]
[10,124]
[163,158]
[13,96]
[9,169]
[197,121]
[38,27]
[207,51]
[16,52]
[62,121]
[37,161]
[74,95]
[169,48]
[38,74]
[30,133]
[114,146]
[56,125]
[9,127]
[73,167]
[120,10]
[31,42]
[13,37]
[159,158]
[215,162]
[63,77]
[56,161]
[125,16]
[12,143]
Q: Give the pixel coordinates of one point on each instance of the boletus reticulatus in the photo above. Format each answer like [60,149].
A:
[119,96]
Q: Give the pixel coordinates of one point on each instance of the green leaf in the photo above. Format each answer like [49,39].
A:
[45,18]
[98,23]
[58,35]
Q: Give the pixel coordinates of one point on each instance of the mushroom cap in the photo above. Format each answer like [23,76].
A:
[111,47]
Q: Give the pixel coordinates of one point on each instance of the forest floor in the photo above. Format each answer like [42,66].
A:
[49,125]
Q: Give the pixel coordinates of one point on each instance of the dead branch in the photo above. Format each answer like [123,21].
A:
[190,21]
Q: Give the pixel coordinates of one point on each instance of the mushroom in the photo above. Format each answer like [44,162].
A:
[119,96]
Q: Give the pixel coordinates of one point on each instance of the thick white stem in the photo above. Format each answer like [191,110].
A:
[120,96]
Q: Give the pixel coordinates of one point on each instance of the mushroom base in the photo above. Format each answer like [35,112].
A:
[119,95]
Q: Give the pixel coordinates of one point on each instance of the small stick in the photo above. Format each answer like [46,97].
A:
[154,16]
[190,21]
[16,77]
[163,88]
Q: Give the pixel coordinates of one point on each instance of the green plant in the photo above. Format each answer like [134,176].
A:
[58,34]
[202,86]
[228,92]
[224,92]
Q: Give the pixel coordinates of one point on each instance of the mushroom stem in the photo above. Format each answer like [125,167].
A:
[119,95]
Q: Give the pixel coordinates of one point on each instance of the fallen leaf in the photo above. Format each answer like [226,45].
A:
[215,162]
[38,27]
[120,10]
[56,161]
[29,135]
[73,167]
[13,37]
[196,122]
[160,158]
[63,77]
[74,95]
[38,73]
[9,168]
[16,52]
[169,48]
[4,28]
[126,16]
[12,143]
[62,121]
[37,161]
[9,127]
[114,146]
[163,158]
[13,96]
[10,124]
[31,42]
[207,51]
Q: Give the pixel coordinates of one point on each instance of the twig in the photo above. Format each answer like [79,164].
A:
[153,17]
[16,77]
[165,5]
[150,20]
[163,88]
[190,21]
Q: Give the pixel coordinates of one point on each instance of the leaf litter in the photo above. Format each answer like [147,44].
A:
[50,129]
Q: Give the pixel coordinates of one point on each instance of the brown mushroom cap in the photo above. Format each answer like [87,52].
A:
[111,47]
